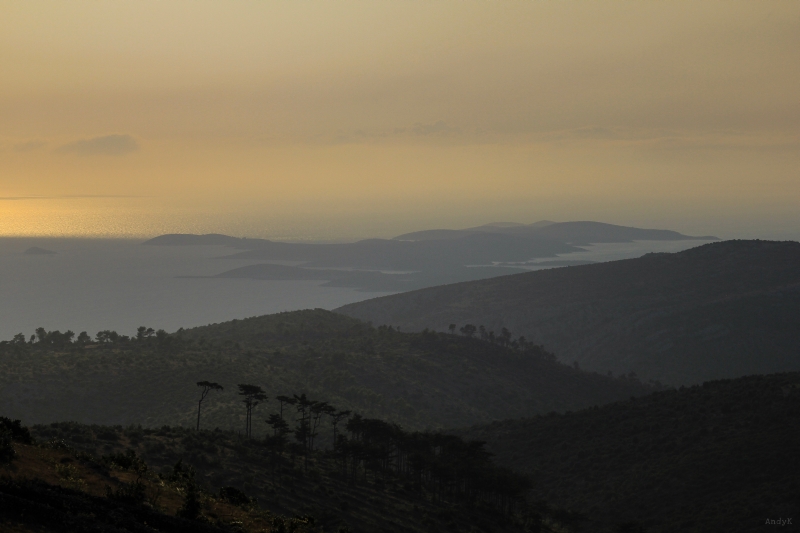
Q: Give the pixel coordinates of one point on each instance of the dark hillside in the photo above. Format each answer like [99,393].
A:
[73,478]
[270,484]
[716,311]
[717,457]
[50,487]
[419,380]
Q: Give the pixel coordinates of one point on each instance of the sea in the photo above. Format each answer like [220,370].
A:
[118,284]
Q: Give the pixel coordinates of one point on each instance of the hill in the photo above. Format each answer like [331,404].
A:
[52,488]
[419,380]
[575,233]
[419,259]
[79,479]
[717,457]
[720,310]
[209,239]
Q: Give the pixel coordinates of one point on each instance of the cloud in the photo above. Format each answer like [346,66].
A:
[612,134]
[29,146]
[439,127]
[105,145]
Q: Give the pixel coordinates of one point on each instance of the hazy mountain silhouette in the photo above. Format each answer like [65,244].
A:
[387,254]
[720,310]
[426,258]
[492,227]
[209,239]
[579,233]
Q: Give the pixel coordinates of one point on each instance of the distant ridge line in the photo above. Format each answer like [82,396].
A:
[576,232]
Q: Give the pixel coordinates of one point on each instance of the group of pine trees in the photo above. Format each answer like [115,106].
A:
[57,339]
[144,335]
[68,340]
[504,338]
[444,467]
[447,467]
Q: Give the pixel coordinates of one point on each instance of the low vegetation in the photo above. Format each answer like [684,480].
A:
[721,456]
[419,380]
[52,487]
[100,478]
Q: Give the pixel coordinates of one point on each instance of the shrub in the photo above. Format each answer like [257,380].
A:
[7,452]
[234,496]
[126,461]
[128,492]
[58,444]
[17,431]
[108,435]
[191,505]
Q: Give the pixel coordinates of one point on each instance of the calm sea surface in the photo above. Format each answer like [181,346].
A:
[117,284]
[94,285]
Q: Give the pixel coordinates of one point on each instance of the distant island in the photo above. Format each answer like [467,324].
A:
[424,258]
[577,233]
[35,250]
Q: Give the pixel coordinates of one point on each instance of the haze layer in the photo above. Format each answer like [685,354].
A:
[355,119]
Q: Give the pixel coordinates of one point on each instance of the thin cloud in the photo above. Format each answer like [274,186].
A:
[72,196]
[440,127]
[29,146]
[104,145]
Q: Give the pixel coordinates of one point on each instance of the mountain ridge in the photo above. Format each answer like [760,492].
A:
[580,232]
[675,317]
[419,380]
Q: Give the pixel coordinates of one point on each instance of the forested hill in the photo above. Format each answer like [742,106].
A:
[717,457]
[719,310]
[419,380]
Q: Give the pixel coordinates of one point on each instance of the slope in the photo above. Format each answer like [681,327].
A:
[416,379]
[93,479]
[720,310]
[717,457]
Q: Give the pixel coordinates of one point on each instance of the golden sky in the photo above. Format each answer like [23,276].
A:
[346,119]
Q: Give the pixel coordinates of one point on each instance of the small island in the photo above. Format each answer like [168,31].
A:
[35,250]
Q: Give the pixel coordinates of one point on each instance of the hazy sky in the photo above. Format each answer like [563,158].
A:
[372,118]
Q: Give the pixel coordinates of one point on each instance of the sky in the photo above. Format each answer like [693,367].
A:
[350,119]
